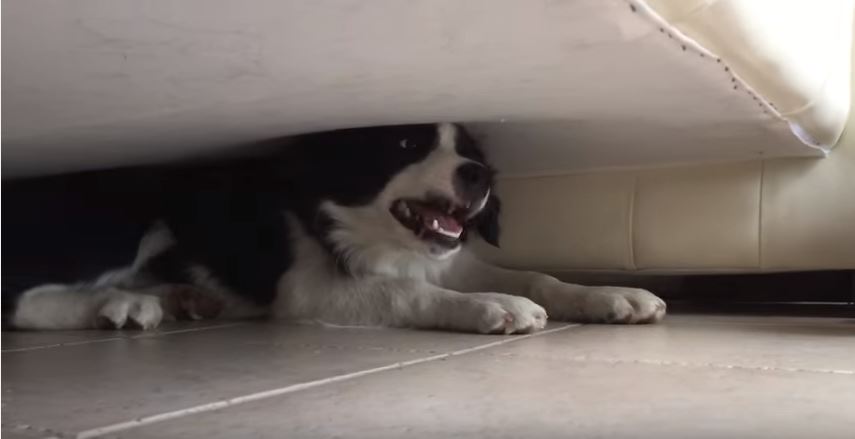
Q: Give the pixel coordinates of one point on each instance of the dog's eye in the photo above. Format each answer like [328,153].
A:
[407,144]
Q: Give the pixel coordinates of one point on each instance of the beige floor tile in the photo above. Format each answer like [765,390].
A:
[694,376]
[824,344]
[81,386]
[25,432]
[482,395]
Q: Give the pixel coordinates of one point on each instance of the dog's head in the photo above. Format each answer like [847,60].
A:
[418,188]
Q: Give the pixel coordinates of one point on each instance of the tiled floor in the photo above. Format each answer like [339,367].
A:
[695,376]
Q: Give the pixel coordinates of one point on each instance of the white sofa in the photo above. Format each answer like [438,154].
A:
[657,136]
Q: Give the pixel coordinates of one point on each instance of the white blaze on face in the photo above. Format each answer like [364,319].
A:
[372,230]
[447,137]
[433,175]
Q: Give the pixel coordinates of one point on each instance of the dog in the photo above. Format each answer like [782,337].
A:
[364,226]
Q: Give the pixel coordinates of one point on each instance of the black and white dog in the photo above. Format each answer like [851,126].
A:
[353,227]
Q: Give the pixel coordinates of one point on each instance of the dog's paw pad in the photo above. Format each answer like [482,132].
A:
[129,310]
[506,314]
[623,305]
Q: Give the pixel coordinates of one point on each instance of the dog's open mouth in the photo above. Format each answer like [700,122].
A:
[436,220]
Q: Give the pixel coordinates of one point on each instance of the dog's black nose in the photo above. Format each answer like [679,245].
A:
[472,180]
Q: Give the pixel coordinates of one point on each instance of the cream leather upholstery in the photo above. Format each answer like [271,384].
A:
[808,210]
[559,88]
[789,51]
[780,214]
[116,83]
[761,215]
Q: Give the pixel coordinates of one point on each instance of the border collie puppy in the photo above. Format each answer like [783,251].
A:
[363,226]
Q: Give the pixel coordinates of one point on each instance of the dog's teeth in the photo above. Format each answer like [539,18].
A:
[407,212]
[454,235]
[434,224]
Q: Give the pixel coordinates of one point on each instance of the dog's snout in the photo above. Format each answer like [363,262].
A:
[472,180]
[473,174]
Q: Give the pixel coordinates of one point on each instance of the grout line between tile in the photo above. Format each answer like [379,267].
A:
[185,330]
[217,405]
[121,337]
[671,363]
[791,323]
[59,345]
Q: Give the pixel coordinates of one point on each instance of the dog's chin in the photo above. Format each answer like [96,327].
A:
[440,253]
[436,222]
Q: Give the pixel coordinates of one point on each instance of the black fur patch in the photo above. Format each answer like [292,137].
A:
[485,223]
[227,216]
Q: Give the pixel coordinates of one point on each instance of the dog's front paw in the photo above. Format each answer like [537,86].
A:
[506,314]
[123,309]
[621,305]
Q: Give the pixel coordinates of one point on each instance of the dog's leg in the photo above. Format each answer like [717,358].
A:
[563,301]
[79,307]
[88,307]
[422,305]
[381,301]
[186,302]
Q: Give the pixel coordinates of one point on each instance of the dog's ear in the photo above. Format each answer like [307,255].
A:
[488,221]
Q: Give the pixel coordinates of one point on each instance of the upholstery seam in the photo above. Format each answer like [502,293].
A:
[760,216]
[631,225]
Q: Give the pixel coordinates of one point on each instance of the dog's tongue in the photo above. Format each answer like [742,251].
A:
[438,221]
